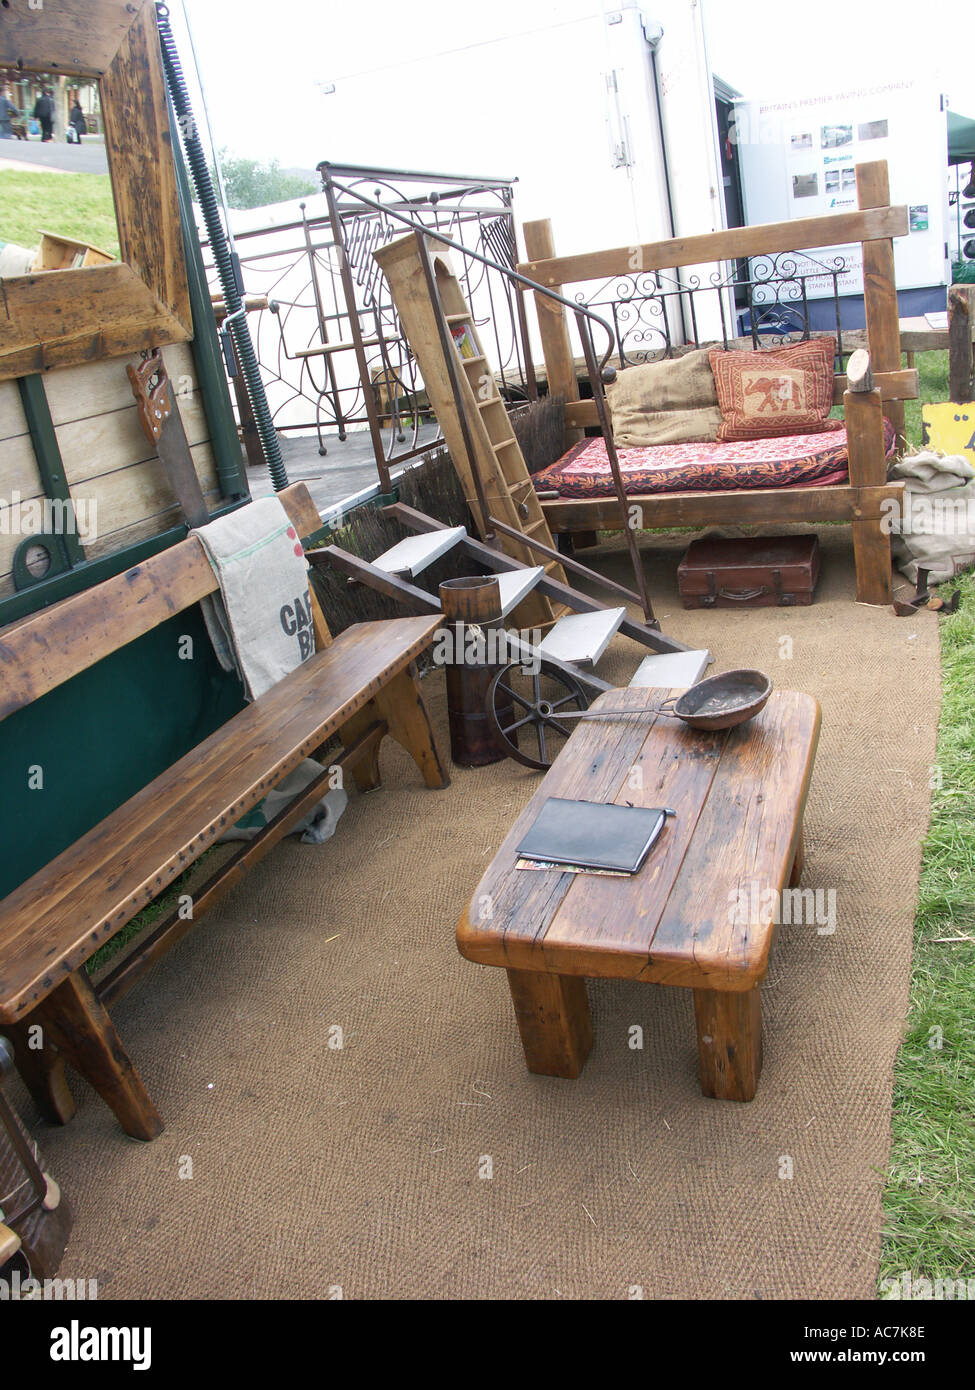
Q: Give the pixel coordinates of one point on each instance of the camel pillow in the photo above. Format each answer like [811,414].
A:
[669,402]
[785,390]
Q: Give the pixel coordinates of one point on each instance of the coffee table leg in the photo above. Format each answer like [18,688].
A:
[553,1020]
[729,1042]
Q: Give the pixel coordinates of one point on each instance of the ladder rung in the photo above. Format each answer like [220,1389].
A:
[459,318]
[671,670]
[473,361]
[514,585]
[416,553]
[582,637]
[326,349]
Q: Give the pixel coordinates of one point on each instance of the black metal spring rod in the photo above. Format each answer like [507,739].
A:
[235,321]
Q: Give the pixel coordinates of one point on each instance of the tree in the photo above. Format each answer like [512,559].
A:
[253,184]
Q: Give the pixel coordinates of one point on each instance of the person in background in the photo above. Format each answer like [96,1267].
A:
[77,122]
[44,112]
[7,113]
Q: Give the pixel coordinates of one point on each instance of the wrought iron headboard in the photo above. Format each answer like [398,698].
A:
[767,296]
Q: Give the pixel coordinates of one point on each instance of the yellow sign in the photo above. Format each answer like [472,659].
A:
[950,428]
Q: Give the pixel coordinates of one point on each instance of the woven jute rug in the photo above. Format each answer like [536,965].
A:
[420,1158]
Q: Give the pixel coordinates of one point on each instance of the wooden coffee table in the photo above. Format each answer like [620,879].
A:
[739,797]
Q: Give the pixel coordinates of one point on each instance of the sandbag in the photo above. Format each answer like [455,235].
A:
[315,828]
[934,530]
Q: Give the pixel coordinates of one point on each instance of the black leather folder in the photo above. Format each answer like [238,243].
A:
[593,835]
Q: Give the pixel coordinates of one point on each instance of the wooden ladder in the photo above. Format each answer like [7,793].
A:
[507,484]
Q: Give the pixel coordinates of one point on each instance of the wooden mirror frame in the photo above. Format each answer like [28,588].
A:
[59,318]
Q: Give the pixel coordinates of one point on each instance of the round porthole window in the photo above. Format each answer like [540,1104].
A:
[37,560]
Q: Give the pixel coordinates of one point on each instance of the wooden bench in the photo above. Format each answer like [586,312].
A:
[701,912]
[360,687]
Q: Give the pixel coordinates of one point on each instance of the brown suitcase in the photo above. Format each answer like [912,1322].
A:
[749,572]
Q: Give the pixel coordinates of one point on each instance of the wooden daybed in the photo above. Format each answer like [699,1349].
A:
[880,388]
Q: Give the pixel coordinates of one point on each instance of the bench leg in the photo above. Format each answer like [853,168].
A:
[42,1070]
[401,705]
[729,1042]
[554,1021]
[78,1025]
[365,770]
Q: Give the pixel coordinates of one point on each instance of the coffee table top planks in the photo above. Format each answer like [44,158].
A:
[739,797]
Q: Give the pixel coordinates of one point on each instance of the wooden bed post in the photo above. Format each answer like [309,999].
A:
[880,287]
[553,328]
[863,409]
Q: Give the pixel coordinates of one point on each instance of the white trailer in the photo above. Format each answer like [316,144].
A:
[798,159]
[605,113]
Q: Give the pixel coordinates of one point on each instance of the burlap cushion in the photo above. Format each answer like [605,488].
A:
[785,390]
[671,402]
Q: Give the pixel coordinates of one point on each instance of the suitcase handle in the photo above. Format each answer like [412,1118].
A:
[743,595]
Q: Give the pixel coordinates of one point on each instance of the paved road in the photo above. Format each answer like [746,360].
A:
[87,158]
[347,468]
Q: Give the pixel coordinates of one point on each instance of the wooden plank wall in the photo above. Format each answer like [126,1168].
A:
[107,457]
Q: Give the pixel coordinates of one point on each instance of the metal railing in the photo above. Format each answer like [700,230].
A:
[585,319]
[331,349]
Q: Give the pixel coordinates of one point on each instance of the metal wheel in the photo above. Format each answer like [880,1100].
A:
[523,707]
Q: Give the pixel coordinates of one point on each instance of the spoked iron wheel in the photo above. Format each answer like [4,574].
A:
[523,707]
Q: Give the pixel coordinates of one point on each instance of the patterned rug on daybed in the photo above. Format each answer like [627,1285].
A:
[802,460]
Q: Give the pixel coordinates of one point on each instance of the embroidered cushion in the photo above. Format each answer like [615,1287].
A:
[778,391]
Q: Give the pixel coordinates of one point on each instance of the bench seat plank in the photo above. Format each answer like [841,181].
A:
[52,923]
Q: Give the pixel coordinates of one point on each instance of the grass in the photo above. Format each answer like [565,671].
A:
[929,1202]
[141,922]
[74,205]
[933,372]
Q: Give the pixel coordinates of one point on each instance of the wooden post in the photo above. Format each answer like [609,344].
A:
[729,1042]
[42,1072]
[552,325]
[297,502]
[863,411]
[400,703]
[960,343]
[880,286]
[554,1021]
